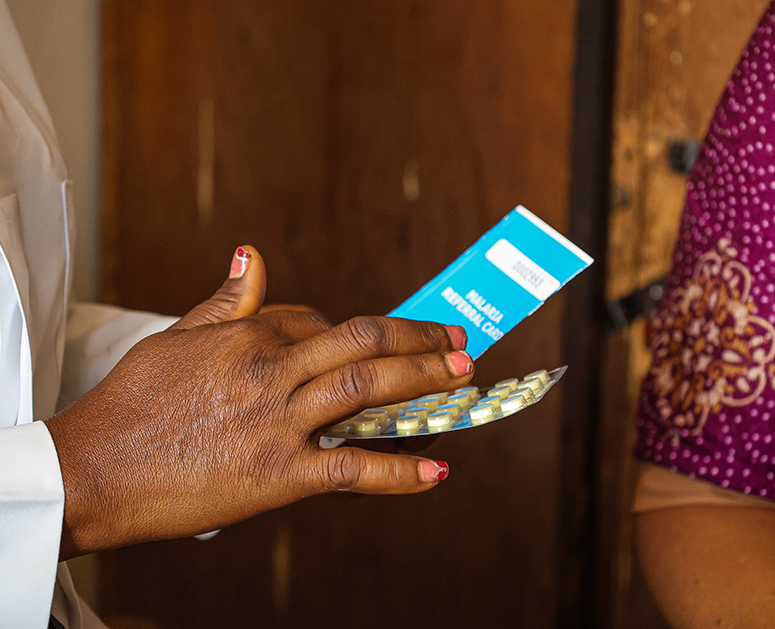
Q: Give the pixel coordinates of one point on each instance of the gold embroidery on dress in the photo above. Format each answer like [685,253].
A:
[710,348]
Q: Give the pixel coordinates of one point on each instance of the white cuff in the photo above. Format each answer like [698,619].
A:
[32,502]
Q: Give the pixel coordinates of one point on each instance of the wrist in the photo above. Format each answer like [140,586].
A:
[89,517]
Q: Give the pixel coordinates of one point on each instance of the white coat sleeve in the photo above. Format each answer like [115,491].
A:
[97,338]
[31,492]
[31,507]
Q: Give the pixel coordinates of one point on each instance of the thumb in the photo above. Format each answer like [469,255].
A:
[241,295]
[366,472]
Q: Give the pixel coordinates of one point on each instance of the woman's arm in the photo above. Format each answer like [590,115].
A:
[710,566]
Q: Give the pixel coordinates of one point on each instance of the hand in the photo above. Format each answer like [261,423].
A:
[217,419]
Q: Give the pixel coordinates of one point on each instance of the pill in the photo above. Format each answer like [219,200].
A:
[380,414]
[439,421]
[526,392]
[422,411]
[472,392]
[501,392]
[431,402]
[513,403]
[481,413]
[394,410]
[541,375]
[512,384]
[463,400]
[366,425]
[534,384]
[492,400]
[443,396]
[452,409]
[341,426]
[408,424]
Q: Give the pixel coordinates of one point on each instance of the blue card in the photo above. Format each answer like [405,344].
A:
[503,278]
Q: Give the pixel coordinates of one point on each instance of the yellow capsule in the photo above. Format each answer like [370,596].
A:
[512,384]
[394,410]
[541,375]
[452,409]
[493,400]
[535,385]
[422,411]
[501,392]
[481,413]
[463,400]
[366,425]
[408,424]
[513,403]
[429,401]
[472,392]
[526,392]
[380,414]
[439,421]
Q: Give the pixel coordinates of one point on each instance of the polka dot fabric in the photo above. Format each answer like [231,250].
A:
[707,405]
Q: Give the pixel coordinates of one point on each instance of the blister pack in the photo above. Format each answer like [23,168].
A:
[502,278]
[452,410]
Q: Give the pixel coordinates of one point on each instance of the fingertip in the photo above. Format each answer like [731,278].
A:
[460,363]
[433,471]
[248,271]
[246,258]
[239,263]
[458,336]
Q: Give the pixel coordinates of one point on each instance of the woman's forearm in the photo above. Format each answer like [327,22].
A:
[710,566]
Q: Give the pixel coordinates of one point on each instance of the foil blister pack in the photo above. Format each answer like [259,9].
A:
[468,407]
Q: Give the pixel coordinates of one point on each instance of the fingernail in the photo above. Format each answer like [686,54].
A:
[239,263]
[433,471]
[458,335]
[460,363]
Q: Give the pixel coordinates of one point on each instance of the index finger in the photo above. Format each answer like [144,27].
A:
[366,338]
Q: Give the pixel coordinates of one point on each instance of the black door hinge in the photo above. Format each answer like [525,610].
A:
[641,303]
[682,154]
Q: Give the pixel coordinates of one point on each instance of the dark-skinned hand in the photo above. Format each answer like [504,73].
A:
[217,419]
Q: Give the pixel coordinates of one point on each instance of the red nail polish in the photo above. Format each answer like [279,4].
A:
[460,363]
[443,472]
[433,471]
[458,335]
[239,263]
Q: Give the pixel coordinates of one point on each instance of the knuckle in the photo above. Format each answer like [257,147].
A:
[318,320]
[310,320]
[254,351]
[262,368]
[371,334]
[357,382]
[277,326]
[343,470]
[433,335]
[426,368]
[221,306]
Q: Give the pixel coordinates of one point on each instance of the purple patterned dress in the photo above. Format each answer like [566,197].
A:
[707,405]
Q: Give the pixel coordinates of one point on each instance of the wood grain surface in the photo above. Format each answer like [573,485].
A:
[361,146]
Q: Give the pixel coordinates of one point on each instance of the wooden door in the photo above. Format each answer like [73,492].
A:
[674,58]
[361,146]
